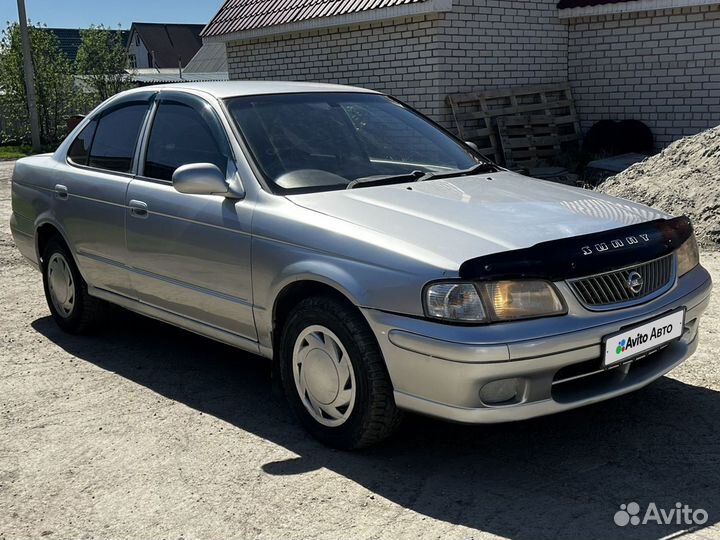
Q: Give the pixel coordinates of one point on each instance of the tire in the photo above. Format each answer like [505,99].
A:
[73,309]
[320,334]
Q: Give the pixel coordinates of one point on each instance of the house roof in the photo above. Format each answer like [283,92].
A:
[211,58]
[70,40]
[170,42]
[575,8]
[564,4]
[243,15]
[173,76]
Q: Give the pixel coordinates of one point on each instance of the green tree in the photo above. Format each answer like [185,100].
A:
[54,83]
[102,60]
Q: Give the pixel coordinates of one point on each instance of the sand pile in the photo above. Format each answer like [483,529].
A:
[684,179]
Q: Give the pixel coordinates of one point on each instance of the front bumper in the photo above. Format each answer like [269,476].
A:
[440,370]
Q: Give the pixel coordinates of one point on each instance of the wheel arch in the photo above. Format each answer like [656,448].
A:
[44,231]
[298,290]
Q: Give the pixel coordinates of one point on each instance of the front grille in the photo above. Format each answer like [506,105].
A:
[611,290]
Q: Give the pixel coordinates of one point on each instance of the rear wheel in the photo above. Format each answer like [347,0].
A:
[334,375]
[73,309]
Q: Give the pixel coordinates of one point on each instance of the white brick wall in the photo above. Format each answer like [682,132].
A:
[498,44]
[660,67]
[489,44]
[480,44]
[397,57]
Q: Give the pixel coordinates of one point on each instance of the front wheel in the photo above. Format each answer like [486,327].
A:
[334,375]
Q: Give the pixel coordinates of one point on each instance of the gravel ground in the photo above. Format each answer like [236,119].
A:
[148,431]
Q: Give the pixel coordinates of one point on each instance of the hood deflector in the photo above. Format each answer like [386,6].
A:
[584,255]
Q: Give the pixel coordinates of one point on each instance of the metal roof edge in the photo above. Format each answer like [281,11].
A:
[366,16]
[630,7]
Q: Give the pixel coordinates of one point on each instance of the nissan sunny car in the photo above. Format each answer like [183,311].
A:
[378,262]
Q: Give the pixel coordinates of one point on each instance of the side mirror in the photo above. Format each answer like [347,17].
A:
[472,145]
[201,179]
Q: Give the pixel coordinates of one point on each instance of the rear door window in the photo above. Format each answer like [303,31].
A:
[113,146]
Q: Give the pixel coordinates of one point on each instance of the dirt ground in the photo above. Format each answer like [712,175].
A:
[147,431]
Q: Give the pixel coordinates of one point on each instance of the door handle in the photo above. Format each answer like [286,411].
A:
[138,209]
[61,192]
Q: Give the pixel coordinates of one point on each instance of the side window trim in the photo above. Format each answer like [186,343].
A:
[247,155]
[184,98]
[144,138]
[140,97]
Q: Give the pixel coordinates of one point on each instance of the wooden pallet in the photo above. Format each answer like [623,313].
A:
[533,140]
[476,113]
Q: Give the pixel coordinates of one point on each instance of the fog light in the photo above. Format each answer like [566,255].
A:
[496,392]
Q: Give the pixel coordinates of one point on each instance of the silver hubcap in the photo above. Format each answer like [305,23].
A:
[324,376]
[61,285]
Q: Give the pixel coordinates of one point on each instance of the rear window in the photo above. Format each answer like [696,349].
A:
[116,136]
[80,149]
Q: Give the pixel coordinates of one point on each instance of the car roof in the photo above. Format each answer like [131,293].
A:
[226,89]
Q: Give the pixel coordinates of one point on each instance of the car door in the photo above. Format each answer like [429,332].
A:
[189,254]
[90,191]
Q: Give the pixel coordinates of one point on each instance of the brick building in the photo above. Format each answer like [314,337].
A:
[652,60]
[661,66]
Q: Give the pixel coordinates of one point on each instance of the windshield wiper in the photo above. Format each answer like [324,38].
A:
[475,169]
[379,180]
[418,176]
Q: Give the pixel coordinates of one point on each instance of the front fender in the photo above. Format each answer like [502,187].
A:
[322,272]
[277,265]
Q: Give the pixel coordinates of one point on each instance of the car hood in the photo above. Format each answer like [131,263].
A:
[457,219]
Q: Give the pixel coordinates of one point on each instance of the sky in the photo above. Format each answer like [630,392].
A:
[83,13]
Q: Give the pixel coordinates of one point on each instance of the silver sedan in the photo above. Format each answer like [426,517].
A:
[381,264]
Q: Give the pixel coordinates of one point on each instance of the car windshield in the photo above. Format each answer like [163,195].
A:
[325,141]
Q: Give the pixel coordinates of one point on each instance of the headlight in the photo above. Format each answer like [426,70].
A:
[688,256]
[492,301]
[454,302]
[509,300]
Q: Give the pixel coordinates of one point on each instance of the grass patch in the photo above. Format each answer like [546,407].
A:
[14,152]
